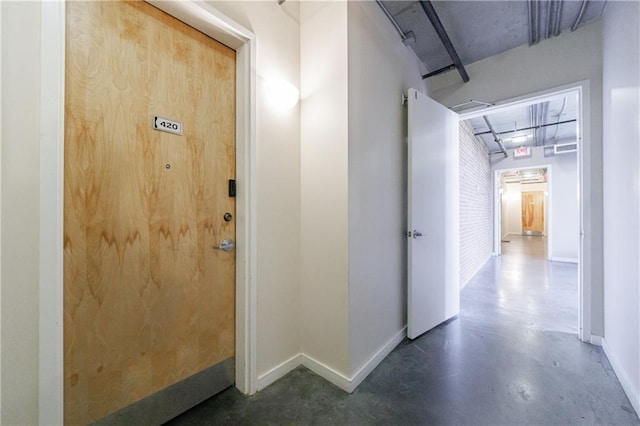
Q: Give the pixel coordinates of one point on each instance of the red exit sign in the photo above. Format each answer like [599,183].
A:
[523,151]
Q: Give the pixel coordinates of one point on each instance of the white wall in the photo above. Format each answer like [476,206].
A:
[277,32]
[571,57]
[512,199]
[621,158]
[381,68]
[20,208]
[324,184]
[564,242]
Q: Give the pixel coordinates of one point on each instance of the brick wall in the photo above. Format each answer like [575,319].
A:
[476,219]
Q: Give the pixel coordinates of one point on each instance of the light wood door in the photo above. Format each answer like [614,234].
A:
[533,211]
[433,294]
[147,300]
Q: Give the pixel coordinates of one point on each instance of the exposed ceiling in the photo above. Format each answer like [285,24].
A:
[479,29]
[524,176]
[547,123]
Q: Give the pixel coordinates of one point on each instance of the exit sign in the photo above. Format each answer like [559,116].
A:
[523,151]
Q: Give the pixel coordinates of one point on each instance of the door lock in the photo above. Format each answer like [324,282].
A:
[227,217]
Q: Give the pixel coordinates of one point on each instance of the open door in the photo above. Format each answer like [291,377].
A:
[433,214]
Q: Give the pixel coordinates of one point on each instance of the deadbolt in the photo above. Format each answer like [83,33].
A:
[228,217]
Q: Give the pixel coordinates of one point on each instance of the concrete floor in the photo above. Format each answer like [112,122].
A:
[511,357]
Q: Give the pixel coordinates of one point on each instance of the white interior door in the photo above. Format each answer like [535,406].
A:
[433,206]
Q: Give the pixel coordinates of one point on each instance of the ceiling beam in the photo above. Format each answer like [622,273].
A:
[444,38]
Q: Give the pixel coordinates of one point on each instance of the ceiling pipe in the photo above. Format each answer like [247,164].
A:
[550,16]
[496,138]
[564,104]
[406,38]
[527,128]
[576,24]
[543,119]
[558,18]
[530,10]
[533,7]
[444,37]
[534,123]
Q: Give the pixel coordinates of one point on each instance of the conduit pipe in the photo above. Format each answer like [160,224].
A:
[393,21]
[558,18]
[550,16]
[495,136]
[534,21]
[576,24]
[527,128]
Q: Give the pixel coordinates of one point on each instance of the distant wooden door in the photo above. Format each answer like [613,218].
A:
[147,300]
[533,212]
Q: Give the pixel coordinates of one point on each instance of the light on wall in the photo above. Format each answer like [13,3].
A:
[281,94]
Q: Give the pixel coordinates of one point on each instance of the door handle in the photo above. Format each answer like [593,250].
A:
[226,245]
[416,234]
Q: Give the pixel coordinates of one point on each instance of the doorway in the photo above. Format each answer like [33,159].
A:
[524,206]
[508,160]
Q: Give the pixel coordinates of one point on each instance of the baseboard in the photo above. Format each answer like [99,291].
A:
[279,371]
[632,392]
[563,259]
[596,340]
[350,384]
[377,358]
[326,372]
[340,380]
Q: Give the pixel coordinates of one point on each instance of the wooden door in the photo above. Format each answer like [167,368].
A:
[533,212]
[433,293]
[147,300]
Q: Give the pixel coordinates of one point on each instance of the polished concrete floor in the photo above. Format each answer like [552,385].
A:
[512,357]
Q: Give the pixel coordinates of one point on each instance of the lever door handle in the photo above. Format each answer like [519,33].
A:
[416,234]
[226,245]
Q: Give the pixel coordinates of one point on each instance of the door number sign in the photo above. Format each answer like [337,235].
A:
[166,125]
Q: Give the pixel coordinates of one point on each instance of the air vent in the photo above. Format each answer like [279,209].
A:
[565,148]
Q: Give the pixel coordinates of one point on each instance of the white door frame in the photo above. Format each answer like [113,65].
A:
[205,18]
[497,207]
[582,90]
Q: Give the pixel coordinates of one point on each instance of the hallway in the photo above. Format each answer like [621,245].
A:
[512,357]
